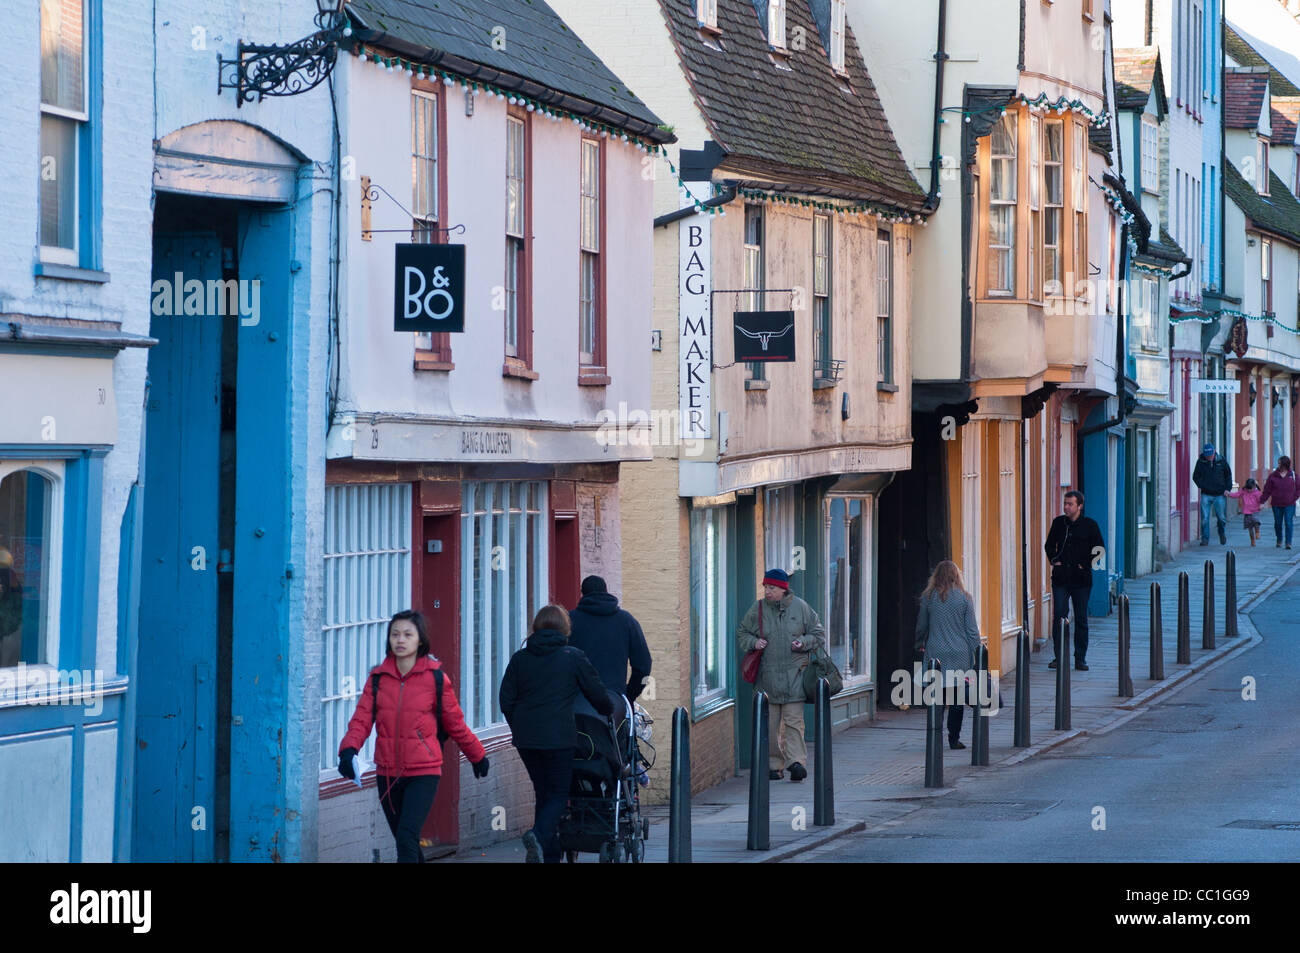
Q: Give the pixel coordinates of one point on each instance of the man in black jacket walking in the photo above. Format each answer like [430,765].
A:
[611,637]
[1213,477]
[1073,542]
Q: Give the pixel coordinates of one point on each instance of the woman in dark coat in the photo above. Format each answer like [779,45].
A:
[537,693]
[947,630]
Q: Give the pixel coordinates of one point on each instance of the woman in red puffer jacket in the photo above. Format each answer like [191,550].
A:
[408,752]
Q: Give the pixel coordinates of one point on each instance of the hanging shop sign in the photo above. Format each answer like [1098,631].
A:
[764,336]
[429,288]
[695,340]
[1209,386]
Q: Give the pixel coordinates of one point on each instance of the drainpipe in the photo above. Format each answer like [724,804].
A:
[940,57]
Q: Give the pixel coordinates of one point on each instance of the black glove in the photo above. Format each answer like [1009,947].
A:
[480,768]
[345,763]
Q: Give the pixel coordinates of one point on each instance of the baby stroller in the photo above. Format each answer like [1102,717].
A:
[604,812]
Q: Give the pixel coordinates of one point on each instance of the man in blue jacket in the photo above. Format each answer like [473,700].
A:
[611,638]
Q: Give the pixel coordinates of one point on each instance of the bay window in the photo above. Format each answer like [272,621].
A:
[1002,208]
[1035,202]
[1053,204]
[1080,208]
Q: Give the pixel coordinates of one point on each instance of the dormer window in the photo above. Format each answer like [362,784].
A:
[1262,167]
[838,15]
[775,23]
[706,12]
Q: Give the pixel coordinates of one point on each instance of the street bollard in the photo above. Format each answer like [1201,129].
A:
[760,819]
[823,772]
[934,730]
[979,746]
[1022,691]
[1230,597]
[1184,621]
[1157,635]
[1063,678]
[1125,648]
[679,793]
[1207,608]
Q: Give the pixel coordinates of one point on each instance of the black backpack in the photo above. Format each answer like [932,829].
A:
[437,711]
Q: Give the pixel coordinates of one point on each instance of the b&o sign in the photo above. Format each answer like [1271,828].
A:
[429,288]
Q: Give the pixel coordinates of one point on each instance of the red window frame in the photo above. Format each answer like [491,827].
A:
[521,363]
[438,356]
[595,374]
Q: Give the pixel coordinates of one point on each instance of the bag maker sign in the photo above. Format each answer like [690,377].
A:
[429,288]
[695,342]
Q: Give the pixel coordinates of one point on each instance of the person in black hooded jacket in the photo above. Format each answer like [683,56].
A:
[611,637]
[537,693]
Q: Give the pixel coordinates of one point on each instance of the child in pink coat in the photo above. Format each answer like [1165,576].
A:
[1249,496]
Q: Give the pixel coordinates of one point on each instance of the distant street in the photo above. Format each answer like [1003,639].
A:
[1202,776]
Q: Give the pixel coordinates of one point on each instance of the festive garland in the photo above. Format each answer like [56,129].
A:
[450,80]
[862,208]
[1040,103]
[1231,313]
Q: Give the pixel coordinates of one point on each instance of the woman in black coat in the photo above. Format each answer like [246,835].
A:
[537,693]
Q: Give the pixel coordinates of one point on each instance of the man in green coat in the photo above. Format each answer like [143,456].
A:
[789,630]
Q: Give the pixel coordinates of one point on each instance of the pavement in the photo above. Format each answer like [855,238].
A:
[879,766]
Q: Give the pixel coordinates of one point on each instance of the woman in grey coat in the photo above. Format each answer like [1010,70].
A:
[946,630]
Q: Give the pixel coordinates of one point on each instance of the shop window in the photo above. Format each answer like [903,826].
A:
[848,583]
[1010,571]
[30,507]
[504,582]
[971,511]
[711,628]
[367,579]
[779,508]
[1146,505]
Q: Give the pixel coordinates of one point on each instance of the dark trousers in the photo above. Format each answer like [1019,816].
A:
[551,772]
[406,803]
[955,713]
[1062,597]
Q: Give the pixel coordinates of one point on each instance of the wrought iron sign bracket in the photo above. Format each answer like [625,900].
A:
[283,69]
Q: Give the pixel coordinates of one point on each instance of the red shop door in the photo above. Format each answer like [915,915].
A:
[438,578]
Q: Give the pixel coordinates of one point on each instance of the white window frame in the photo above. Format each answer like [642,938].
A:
[839,19]
[823,316]
[56,254]
[776,24]
[367,563]
[972,508]
[1150,155]
[589,250]
[709,574]
[1005,202]
[706,13]
[884,306]
[54,473]
[1261,164]
[1145,475]
[1010,569]
[480,695]
[516,241]
[1054,253]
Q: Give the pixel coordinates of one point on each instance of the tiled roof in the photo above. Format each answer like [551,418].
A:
[538,46]
[1136,73]
[1165,248]
[803,127]
[1277,212]
[1239,48]
[1245,98]
[1286,112]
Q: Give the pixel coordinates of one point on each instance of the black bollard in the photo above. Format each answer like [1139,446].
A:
[679,794]
[1157,635]
[823,772]
[1125,648]
[933,729]
[760,819]
[1022,691]
[1184,621]
[1230,597]
[979,746]
[1207,608]
[1063,678]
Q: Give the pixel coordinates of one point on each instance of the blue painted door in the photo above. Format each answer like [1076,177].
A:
[176,687]
[263,755]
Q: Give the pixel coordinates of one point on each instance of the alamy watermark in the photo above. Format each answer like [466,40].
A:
[944,687]
[636,427]
[44,685]
[213,298]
